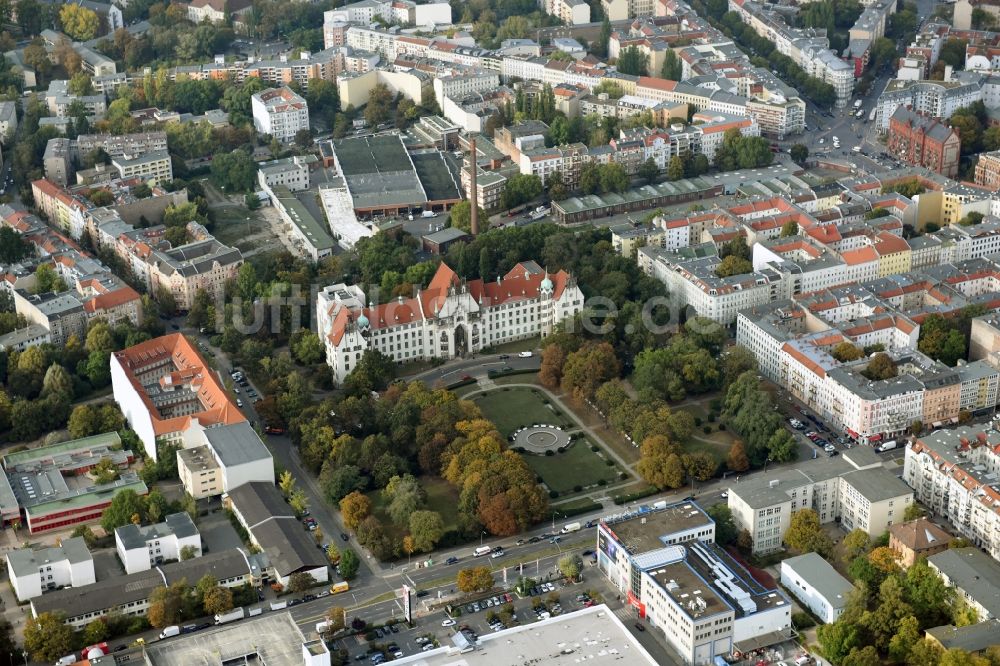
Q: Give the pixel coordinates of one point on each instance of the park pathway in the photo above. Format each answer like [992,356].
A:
[590,432]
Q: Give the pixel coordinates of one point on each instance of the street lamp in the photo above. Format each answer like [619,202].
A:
[481,536]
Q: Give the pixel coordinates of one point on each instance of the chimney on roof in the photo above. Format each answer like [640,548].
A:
[473,194]
[981,437]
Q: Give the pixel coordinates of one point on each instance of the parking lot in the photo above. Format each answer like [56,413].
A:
[474,619]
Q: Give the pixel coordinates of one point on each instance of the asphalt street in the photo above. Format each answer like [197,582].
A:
[477,366]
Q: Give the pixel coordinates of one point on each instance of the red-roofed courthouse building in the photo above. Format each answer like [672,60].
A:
[450,318]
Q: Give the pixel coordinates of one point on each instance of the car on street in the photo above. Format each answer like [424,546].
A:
[640,627]
[534,539]
[451,560]
[525,354]
[448,623]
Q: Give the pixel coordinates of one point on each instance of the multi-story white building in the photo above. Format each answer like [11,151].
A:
[142,547]
[853,488]
[280,113]
[953,472]
[154,166]
[570,12]
[403,12]
[937,99]
[164,388]
[450,318]
[814,582]
[34,571]
[292,172]
[664,560]
[693,283]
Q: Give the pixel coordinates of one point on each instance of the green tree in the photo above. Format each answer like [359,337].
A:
[675,169]
[799,153]
[460,216]
[846,352]
[475,579]
[519,189]
[58,383]
[855,544]
[633,61]
[426,528]
[790,228]
[96,631]
[123,508]
[806,535]
[218,600]
[349,564]
[733,265]
[570,566]
[47,637]
[234,171]
[672,68]
[725,526]
[648,170]
[300,582]
[613,178]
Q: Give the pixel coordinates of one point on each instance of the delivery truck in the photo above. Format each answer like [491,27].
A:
[172,630]
[886,446]
[231,616]
[571,527]
[482,550]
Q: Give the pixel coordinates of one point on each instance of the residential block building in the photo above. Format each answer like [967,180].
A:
[164,388]
[920,140]
[952,473]
[128,595]
[200,265]
[915,539]
[33,572]
[974,576]
[142,547]
[853,488]
[280,113]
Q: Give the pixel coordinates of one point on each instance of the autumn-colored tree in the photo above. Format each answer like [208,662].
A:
[845,352]
[662,471]
[551,371]
[166,604]
[699,465]
[737,460]
[218,600]
[586,369]
[336,620]
[79,22]
[744,541]
[881,366]
[884,559]
[805,534]
[475,579]
[354,508]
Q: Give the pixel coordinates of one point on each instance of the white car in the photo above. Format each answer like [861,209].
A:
[239,403]
[448,623]
[525,354]
[427,646]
